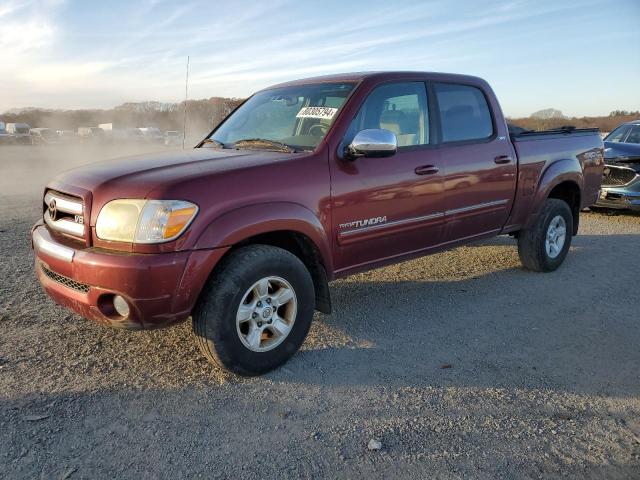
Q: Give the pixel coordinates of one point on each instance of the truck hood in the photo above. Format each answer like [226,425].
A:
[139,176]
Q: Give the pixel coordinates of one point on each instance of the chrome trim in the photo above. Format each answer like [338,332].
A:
[374,141]
[64,204]
[65,226]
[52,249]
[478,206]
[379,226]
[611,185]
[424,218]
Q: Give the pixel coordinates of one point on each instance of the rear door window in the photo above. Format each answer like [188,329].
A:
[464,113]
[634,135]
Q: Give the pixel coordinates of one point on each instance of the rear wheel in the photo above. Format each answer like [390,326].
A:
[544,246]
[255,311]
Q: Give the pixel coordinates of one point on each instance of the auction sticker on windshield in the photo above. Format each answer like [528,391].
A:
[317,112]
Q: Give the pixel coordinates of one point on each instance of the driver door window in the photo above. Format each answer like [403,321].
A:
[398,107]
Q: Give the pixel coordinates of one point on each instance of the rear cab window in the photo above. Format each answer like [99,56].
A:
[464,113]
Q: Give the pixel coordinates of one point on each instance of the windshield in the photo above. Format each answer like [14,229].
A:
[618,134]
[297,116]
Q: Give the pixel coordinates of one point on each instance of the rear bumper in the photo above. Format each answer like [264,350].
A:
[160,289]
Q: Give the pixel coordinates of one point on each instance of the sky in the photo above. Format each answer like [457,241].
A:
[581,57]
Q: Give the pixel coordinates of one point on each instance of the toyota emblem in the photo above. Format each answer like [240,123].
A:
[52,209]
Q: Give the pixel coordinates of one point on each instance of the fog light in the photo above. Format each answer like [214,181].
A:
[121,306]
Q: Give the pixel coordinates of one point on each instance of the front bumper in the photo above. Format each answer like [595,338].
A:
[160,289]
[620,198]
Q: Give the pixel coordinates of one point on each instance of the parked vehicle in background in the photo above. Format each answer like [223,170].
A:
[133,135]
[172,138]
[67,136]
[306,182]
[621,181]
[5,138]
[106,126]
[43,136]
[151,134]
[20,132]
[90,134]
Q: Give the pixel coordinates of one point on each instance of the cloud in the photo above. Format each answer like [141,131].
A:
[94,55]
[65,74]
[21,30]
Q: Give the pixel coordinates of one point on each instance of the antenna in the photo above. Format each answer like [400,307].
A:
[186,95]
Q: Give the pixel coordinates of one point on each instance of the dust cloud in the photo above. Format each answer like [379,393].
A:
[25,170]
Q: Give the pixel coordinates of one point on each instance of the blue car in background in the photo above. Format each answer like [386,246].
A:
[621,181]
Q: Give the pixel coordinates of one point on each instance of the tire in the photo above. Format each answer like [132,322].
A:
[532,242]
[231,343]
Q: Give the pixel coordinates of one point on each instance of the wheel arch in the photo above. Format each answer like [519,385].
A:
[563,180]
[289,226]
[569,192]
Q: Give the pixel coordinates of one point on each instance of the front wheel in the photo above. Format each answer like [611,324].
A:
[544,246]
[255,311]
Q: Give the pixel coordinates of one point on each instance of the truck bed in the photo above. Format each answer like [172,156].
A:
[537,151]
[521,134]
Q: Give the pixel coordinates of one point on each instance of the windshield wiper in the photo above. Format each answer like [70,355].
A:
[217,143]
[264,143]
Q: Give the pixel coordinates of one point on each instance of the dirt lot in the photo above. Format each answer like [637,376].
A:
[461,364]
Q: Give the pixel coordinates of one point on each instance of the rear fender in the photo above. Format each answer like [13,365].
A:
[237,225]
[564,170]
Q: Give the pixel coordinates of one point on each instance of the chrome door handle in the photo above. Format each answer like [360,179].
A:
[426,170]
[502,159]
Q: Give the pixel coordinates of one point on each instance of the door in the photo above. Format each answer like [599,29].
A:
[385,207]
[479,160]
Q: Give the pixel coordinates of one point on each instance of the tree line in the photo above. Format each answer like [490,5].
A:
[202,116]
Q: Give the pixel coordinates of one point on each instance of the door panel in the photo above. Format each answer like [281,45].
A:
[381,208]
[478,192]
[385,207]
[480,165]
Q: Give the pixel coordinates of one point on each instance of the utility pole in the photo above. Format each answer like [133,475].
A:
[186,95]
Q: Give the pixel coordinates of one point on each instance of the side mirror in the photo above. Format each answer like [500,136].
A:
[372,142]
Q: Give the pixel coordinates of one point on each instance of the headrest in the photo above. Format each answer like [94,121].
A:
[393,120]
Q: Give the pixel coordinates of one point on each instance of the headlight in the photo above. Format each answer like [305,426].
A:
[144,221]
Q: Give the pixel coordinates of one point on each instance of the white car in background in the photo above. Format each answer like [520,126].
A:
[5,138]
[20,132]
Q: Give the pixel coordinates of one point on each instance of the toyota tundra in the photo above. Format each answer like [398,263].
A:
[306,182]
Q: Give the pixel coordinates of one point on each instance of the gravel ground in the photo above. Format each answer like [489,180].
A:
[461,364]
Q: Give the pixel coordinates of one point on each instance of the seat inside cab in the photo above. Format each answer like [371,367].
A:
[399,108]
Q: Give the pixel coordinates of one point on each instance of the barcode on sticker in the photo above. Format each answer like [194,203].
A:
[317,112]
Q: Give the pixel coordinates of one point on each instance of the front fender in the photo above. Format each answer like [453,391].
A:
[245,222]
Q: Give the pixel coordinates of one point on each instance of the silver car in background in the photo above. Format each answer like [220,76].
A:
[621,181]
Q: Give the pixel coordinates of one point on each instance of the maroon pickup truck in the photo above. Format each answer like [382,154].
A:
[303,183]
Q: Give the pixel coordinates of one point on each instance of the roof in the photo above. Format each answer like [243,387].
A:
[358,77]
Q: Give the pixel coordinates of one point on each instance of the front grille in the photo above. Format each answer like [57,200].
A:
[64,214]
[65,281]
[617,176]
